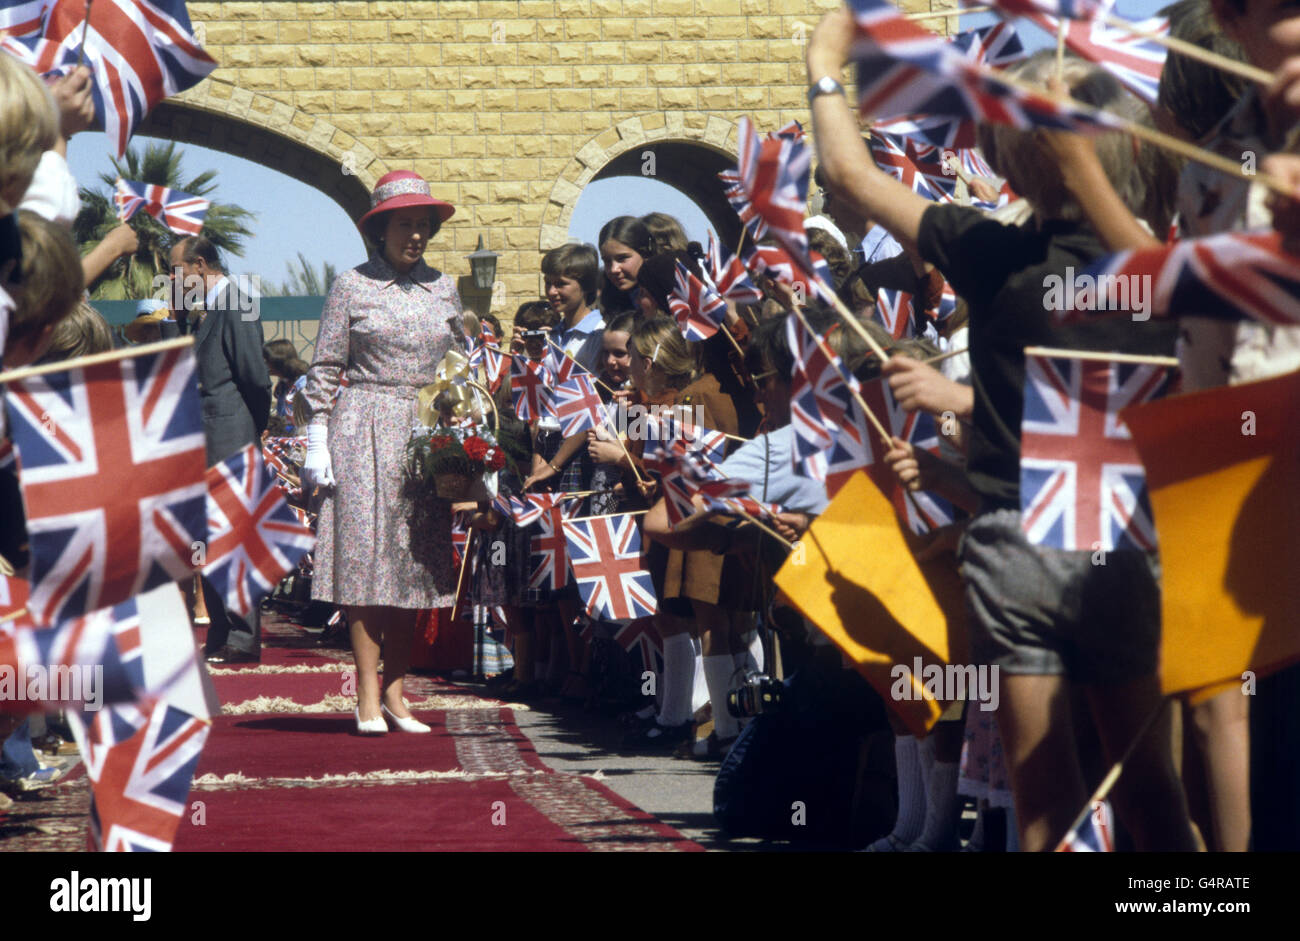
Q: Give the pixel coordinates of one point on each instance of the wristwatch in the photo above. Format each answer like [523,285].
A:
[824,86]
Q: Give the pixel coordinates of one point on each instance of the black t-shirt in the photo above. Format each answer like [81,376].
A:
[1000,270]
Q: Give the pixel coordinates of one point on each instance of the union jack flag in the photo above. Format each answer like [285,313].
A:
[254,539]
[671,444]
[605,553]
[729,275]
[793,131]
[998,45]
[487,353]
[773,176]
[823,410]
[459,537]
[921,510]
[527,508]
[1229,275]
[140,760]
[113,463]
[14,592]
[775,262]
[642,635]
[107,641]
[1133,59]
[141,51]
[735,193]
[180,212]
[283,456]
[530,385]
[550,562]
[731,497]
[895,312]
[890,154]
[1082,484]
[578,405]
[1093,835]
[699,312]
[905,71]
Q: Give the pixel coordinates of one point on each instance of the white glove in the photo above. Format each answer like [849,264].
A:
[317,471]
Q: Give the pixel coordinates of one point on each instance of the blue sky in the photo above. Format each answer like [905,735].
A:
[293,217]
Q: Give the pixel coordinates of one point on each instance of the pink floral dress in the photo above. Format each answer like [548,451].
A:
[380,541]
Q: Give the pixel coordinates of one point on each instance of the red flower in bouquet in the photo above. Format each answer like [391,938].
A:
[476,448]
[438,442]
[495,459]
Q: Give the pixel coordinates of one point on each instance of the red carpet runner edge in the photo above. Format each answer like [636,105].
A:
[284,771]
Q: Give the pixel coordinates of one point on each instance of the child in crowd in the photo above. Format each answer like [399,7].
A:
[1209,106]
[1073,622]
[572,277]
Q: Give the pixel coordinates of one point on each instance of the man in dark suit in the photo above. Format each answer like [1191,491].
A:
[234,396]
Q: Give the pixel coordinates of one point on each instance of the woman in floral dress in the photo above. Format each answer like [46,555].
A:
[384,548]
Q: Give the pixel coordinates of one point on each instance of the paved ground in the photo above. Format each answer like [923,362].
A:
[677,791]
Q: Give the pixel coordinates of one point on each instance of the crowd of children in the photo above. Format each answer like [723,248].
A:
[1076,642]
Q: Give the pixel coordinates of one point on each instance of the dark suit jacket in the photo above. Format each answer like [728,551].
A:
[234,386]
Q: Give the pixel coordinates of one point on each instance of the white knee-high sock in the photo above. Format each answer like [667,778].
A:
[753,653]
[678,678]
[939,833]
[911,796]
[717,674]
[699,689]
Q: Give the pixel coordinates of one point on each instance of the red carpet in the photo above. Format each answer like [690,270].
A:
[299,779]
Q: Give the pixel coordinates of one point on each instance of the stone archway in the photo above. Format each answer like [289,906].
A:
[236,121]
[689,148]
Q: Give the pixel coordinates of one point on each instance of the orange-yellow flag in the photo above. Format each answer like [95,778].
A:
[1222,469]
[857,580]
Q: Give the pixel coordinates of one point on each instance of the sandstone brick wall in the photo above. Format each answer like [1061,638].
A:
[507,108]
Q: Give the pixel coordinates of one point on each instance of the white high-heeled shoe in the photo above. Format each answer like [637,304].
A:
[409,724]
[375,726]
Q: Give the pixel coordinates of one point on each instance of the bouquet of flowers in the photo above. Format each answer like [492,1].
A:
[453,459]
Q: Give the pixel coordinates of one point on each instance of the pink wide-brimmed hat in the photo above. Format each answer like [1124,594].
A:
[400,189]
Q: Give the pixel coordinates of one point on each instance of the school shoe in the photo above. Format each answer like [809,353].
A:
[375,726]
[711,748]
[41,777]
[234,655]
[409,724]
[658,737]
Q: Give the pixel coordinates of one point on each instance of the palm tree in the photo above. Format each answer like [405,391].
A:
[134,277]
[303,280]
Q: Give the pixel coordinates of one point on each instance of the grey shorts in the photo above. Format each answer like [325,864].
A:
[1047,611]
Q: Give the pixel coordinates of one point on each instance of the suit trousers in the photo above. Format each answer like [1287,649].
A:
[225,628]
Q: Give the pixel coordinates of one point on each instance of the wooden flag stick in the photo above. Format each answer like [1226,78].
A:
[942,356]
[81,52]
[857,396]
[1061,26]
[1112,776]
[460,578]
[1151,135]
[1193,51]
[1181,46]
[605,516]
[94,359]
[856,325]
[753,520]
[12,616]
[1101,356]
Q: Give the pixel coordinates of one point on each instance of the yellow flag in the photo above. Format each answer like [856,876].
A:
[1222,471]
[857,580]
